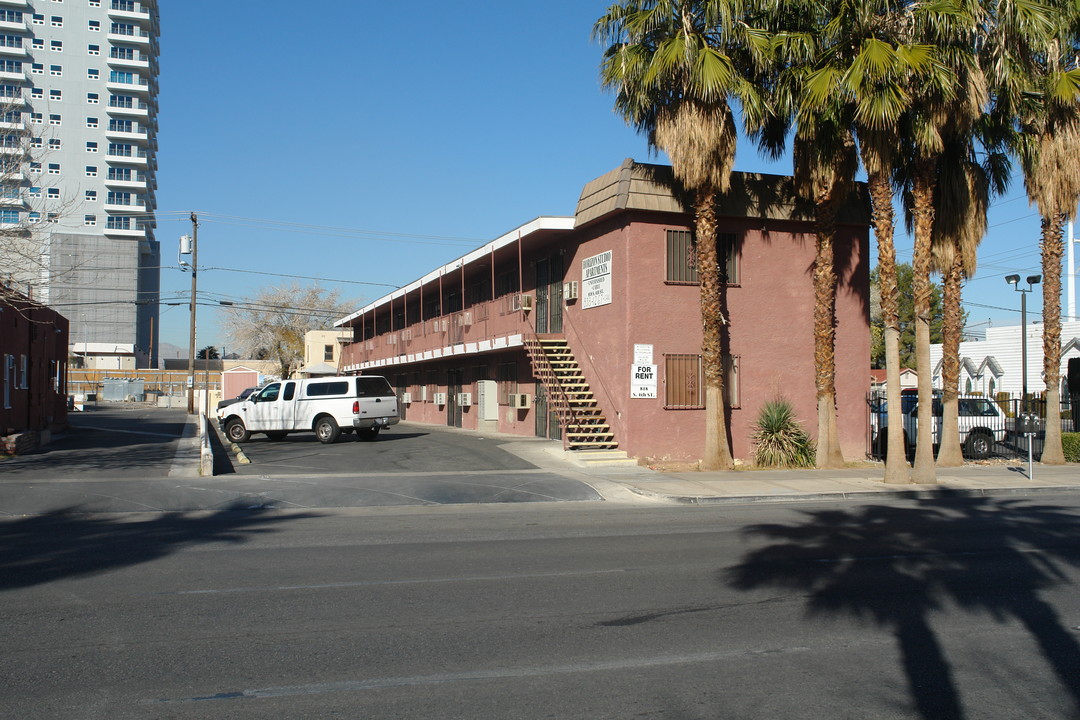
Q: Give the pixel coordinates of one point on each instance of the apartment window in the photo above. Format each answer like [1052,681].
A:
[9,141]
[56,21]
[37,19]
[37,68]
[9,191]
[9,379]
[93,74]
[54,119]
[9,216]
[328,353]
[35,192]
[54,143]
[56,45]
[54,169]
[37,93]
[36,142]
[126,78]
[121,101]
[120,149]
[35,168]
[684,382]
[90,195]
[682,258]
[12,16]
[56,70]
[91,171]
[9,91]
[56,95]
[95,26]
[37,44]
[89,219]
[122,53]
[92,98]
[37,118]
[52,193]
[121,126]
[118,223]
[91,146]
[33,217]
[95,3]
[126,5]
[52,217]
[122,29]
[91,122]
[119,198]
[11,66]
[93,49]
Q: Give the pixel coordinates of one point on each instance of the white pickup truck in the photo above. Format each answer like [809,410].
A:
[982,424]
[328,406]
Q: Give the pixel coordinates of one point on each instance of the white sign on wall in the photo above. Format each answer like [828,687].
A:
[596,280]
[643,354]
[643,381]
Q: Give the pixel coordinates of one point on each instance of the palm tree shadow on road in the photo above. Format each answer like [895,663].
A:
[896,566]
[65,544]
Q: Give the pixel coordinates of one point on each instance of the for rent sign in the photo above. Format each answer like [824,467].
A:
[643,381]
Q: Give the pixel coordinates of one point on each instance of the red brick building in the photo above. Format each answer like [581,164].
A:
[588,328]
[33,363]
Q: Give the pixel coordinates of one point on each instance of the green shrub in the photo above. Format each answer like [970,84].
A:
[1070,444]
[779,440]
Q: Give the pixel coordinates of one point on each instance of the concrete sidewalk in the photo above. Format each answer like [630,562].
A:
[849,483]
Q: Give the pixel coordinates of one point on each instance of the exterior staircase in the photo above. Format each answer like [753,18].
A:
[583,422]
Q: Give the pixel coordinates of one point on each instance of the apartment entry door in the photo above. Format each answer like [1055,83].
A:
[549,295]
[454,381]
[547,422]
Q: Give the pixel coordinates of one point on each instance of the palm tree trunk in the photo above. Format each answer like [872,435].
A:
[923,193]
[1052,249]
[717,450]
[828,441]
[896,465]
[949,453]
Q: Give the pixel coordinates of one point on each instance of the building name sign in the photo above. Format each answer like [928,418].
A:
[596,280]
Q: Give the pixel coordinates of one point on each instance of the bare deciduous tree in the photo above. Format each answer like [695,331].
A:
[272,323]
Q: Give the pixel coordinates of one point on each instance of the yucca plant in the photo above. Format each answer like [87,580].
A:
[779,440]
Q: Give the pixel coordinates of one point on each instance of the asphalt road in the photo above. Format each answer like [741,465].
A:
[123,458]
[929,609]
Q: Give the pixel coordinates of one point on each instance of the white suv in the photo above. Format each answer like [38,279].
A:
[982,423]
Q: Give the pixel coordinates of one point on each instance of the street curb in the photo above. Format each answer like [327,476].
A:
[928,494]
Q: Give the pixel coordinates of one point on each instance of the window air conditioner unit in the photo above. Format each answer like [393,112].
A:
[570,290]
[406,398]
[526,302]
[464,399]
[520,401]
[440,398]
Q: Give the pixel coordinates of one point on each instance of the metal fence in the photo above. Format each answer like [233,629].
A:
[989,427]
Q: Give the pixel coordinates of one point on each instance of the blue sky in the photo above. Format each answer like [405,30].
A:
[364,143]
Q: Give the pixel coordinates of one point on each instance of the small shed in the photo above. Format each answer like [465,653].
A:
[236,379]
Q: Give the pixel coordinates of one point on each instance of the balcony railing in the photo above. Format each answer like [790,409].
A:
[482,327]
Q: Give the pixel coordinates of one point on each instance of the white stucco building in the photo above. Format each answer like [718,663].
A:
[995,364]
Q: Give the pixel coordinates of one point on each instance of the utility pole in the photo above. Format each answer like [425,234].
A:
[191,342]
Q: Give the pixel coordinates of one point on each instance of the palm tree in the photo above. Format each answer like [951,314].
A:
[671,65]
[951,105]
[1038,81]
[961,203]
[855,61]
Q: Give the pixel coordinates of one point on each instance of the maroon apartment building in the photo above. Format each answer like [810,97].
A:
[589,329]
[33,360]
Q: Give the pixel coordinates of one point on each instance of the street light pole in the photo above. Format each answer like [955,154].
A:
[1032,280]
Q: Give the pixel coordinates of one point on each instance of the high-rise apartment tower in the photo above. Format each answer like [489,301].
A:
[78,146]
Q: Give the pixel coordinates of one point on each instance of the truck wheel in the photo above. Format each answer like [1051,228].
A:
[327,430]
[979,445]
[236,432]
[276,435]
[367,433]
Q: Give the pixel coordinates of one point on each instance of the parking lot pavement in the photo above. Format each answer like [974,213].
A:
[123,458]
